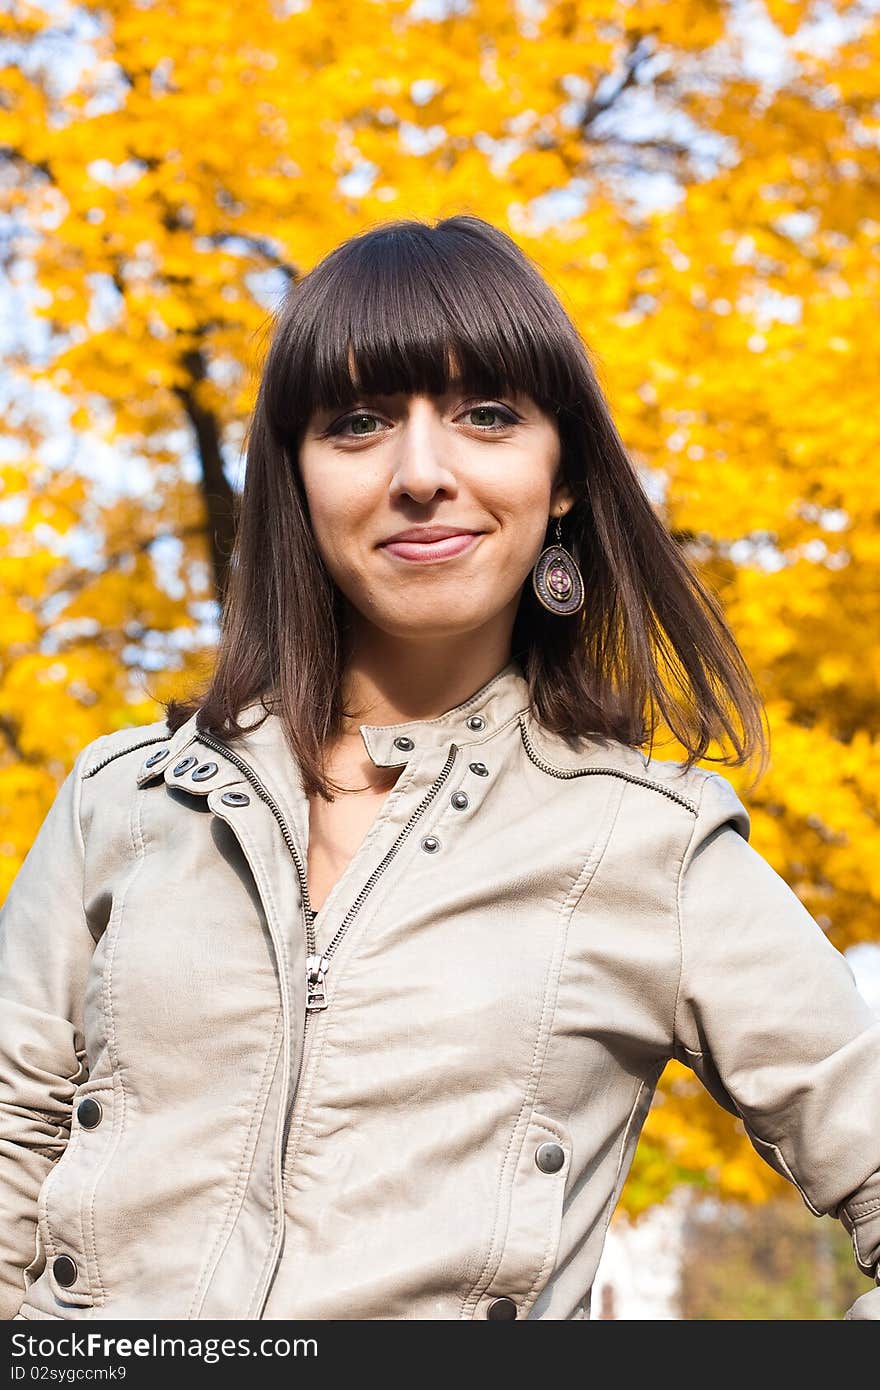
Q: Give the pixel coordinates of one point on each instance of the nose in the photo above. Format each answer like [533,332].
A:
[424,455]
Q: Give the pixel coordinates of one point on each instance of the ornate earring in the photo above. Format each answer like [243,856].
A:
[556,579]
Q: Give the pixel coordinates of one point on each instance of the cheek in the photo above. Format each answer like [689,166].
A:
[343,523]
[338,507]
[524,508]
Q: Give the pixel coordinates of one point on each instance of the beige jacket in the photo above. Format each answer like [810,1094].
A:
[527,934]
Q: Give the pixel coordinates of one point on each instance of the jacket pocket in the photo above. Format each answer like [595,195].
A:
[533,1225]
[65,1207]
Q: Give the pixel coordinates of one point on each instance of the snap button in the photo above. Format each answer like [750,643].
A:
[479,768]
[202,773]
[89,1112]
[404,742]
[476,721]
[430,843]
[155,758]
[501,1310]
[184,766]
[65,1271]
[459,800]
[235,799]
[550,1157]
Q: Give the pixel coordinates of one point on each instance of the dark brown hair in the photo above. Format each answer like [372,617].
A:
[405,299]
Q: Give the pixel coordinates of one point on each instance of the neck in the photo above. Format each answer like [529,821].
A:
[389,681]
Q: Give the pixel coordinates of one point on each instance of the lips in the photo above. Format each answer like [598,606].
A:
[424,551]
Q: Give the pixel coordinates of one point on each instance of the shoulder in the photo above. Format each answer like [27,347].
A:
[121,744]
[661,787]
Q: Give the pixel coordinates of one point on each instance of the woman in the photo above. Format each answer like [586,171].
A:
[343,991]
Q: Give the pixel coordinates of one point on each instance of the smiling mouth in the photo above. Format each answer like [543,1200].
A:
[423,552]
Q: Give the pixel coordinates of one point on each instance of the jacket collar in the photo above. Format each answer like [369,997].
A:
[475,720]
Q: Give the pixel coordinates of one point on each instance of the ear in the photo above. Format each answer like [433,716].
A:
[561,498]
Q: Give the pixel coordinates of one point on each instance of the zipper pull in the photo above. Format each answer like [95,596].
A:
[316,968]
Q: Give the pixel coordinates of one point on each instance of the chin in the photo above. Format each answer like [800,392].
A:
[427,628]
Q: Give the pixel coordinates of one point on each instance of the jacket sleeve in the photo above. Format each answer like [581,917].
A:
[769,1017]
[45,952]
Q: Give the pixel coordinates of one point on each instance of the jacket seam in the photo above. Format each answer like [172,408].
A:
[239,1187]
[859,1210]
[753,1134]
[120,752]
[136,839]
[549,1008]
[77,806]
[137,846]
[278,1212]
[553,769]
[80,839]
[643,1086]
[870,1267]
[751,1131]
[648,1084]
[679,921]
[64,1131]
[554,1226]
[579,888]
[497,1236]
[90,1242]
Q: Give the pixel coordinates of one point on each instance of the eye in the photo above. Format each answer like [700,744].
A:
[364,423]
[506,418]
[359,417]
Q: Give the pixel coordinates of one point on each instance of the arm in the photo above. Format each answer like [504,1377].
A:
[769,1017]
[45,953]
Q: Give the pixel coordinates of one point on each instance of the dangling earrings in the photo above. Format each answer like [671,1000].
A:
[556,579]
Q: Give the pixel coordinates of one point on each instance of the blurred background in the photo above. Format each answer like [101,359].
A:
[700,183]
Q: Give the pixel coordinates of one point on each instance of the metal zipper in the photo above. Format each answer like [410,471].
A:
[318,962]
[604,771]
[156,738]
[266,796]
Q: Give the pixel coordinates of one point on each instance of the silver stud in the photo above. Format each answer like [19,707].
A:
[430,844]
[550,1157]
[479,768]
[476,721]
[157,757]
[459,800]
[206,770]
[184,766]
[89,1112]
[235,799]
[404,742]
[65,1270]
[501,1310]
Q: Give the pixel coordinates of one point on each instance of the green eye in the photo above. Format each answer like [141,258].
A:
[504,417]
[354,420]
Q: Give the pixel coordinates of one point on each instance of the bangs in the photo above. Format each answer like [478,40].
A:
[419,310]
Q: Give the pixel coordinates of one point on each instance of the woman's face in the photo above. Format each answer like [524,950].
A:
[484,465]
